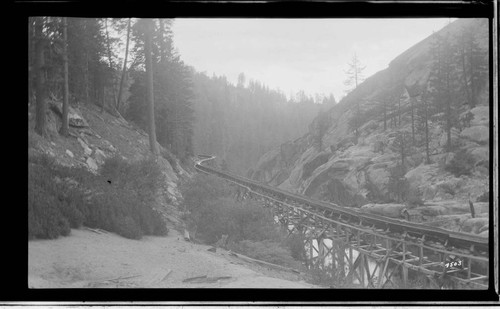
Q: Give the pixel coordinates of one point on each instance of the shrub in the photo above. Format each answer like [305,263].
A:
[45,219]
[127,227]
[295,244]
[485,197]
[447,188]
[125,206]
[461,164]
[250,227]
[266,250]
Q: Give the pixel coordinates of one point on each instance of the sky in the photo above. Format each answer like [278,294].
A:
[296,54]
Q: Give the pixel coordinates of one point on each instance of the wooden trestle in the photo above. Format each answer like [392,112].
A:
[344,251]
[355,247]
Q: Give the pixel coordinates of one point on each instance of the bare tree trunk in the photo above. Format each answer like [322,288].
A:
[399,111]
[426,115]
[87,79]
[150,90]
[40,78]
[385,115]
[448,112]
[64,128]
[31,47]
[110,63]
[163,52]
[464,76]
[412,121]
[471,73]
[120,89]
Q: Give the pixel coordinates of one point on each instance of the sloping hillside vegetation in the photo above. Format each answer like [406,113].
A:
[414,136]
[238,124]
[101,176]
[88,164]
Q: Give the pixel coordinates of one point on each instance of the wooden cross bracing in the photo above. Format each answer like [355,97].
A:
[396,250]
[388,255]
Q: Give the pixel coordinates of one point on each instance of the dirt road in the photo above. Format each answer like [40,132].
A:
[89,260]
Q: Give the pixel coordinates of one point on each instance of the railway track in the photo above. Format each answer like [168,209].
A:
[414,246]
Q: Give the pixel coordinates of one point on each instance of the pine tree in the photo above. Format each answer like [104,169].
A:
[148,29]
[354,73]
[443,84]
[124,70]
[65,124]
[422,119]
[472,64]
[41,42]
[402,144]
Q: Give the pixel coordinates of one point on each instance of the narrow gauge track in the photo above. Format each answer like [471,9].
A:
[472,247]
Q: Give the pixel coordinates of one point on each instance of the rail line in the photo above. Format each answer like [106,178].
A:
[422,248]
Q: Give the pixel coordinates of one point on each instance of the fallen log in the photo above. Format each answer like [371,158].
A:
[165,277]
[94,230]
[194,278]
[118,278]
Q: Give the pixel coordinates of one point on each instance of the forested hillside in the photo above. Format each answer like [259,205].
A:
[414,136]
[240,123]
[106,67]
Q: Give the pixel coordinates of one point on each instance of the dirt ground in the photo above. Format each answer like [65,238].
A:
[86,259]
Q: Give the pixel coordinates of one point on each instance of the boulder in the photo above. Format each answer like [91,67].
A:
[443,159]
[379,177]
[477,134]
[99,156]
[480,154]
[429,192]
[421,176]
[484,233]
[447,222]
[481,116]
[432,211]
[388,210]
[484,228]
[75,119]
[86,148]
[474,225]
[450,185]
[461,207]
[92,165]
[69,153]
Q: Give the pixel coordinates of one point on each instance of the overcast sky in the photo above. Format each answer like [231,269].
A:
[296,54]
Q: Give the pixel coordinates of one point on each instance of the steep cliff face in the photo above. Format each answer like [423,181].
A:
[358,171]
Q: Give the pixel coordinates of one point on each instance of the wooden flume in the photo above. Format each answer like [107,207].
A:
[397,251]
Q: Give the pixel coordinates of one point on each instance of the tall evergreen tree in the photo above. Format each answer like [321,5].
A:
[472,63]
[124,70]
[148,29]
[443,84]
[41,42]
[65,124]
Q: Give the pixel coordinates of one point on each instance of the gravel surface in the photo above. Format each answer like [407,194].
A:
[86,259]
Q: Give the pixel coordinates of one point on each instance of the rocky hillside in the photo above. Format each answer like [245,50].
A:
[96,136]
[359,171]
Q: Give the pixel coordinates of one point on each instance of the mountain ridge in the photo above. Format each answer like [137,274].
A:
[358,171]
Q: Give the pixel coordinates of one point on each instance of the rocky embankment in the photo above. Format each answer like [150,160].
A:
[356,171]
[96,136]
